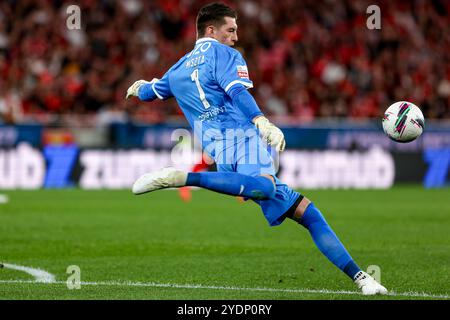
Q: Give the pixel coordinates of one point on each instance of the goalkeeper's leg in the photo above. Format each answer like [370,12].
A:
[288,203]
[327,242]
[306,214]
[231,183]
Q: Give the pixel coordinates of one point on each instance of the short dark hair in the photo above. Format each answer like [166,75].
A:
[214,14]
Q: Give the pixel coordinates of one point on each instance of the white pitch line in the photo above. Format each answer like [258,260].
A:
[198,286]
[38,274]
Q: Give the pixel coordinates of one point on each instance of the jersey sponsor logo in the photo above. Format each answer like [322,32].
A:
[242,72]
[211,114]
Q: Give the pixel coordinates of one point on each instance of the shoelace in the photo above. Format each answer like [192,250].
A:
[360,276]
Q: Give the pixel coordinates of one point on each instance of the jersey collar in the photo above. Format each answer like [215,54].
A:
[205,39]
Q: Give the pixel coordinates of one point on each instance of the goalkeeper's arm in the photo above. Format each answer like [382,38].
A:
[244,101]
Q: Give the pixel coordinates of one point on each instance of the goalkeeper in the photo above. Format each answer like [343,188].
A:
[210,85]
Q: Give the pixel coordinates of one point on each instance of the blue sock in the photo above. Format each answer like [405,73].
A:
[233,183]
[327,241]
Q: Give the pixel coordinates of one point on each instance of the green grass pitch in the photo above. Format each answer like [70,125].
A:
[155,246]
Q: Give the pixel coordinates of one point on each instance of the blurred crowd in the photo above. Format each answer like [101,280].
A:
[308,59]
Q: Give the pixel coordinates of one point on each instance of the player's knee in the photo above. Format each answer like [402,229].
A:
[299,212]
[268,187]
[312,215]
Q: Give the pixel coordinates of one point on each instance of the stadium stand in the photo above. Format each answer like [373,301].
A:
[311,60]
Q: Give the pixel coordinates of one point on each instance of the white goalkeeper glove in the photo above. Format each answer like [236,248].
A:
[270,133]
[134,88]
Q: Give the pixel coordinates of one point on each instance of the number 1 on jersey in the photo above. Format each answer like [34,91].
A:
[194,77]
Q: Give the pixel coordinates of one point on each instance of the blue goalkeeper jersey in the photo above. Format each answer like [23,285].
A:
[200,81]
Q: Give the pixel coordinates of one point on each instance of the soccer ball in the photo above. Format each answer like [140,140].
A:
[403,121]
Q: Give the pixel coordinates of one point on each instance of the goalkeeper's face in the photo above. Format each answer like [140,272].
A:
[226,33]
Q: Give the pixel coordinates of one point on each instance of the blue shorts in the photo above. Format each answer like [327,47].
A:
[251,157]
